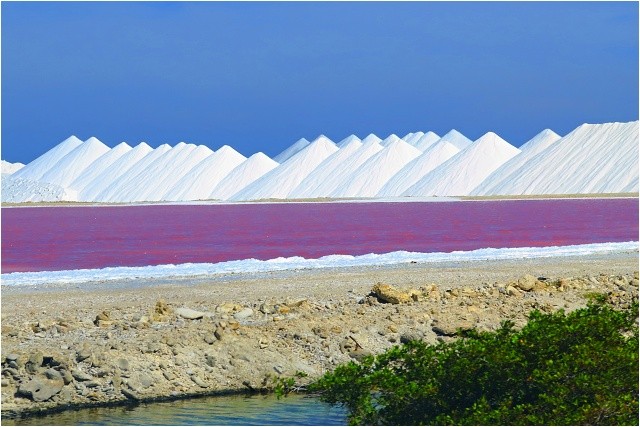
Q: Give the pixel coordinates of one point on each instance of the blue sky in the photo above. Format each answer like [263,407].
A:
[258,76]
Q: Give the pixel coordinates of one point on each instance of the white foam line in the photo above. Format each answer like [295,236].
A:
[298,263]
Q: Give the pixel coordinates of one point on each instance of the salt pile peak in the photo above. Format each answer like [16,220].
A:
[427,140]
[291,150]
[348,140]
[466,170]
[390,140]
[368,179]
[310,186]
[457,139]
[369,147]
[113,191]
[279,182]
[243,175]
[371,138]
[101,164]
[8,168]
[68,168]
[416,169]
[528,151]
[153,182]
[593,158]
[37,168]
[90,190]
[198,183]
[412,137]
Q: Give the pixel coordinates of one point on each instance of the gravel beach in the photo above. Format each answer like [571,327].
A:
[67,346]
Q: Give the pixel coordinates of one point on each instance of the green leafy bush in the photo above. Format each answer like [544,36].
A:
[560,369]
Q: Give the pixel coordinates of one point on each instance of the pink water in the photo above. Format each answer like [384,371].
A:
[66,238]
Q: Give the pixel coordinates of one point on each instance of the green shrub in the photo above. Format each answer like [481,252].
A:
[560,369]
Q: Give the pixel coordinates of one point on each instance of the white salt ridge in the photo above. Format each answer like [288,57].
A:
[413,137]
[19,190]
[370,139]
[428,140]
[91,189]
[243,175]
[37,168]
[528,151]
[68,168]
[52,278]
[8,168]
[466,170]
[310,187]
[113,190]
[101,164]
[348,140]
[152,183]
[418,168]
[393,138]
[370,146]
[198,183]
[278,183]
[292,150]
[593,158]
[457,139]
[370,177]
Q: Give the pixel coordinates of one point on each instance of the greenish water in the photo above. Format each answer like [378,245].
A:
[227,410]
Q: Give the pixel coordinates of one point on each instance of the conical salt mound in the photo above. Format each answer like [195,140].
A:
[341,173]
[243,175]
[466,170]
[101,164]
[37,168]
[9,168]
[100,182]
[428,140]
[278,183]
[292,150]
[393,138]
[113,191]
[309,187]
[368,179]
[593,158]
[457,139]
[370,139]
[348,140]
[415,170]
[152,183]
[205,176]
[413,137]
[528,151]
[75,162]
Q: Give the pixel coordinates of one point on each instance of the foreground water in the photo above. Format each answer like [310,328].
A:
[227,410]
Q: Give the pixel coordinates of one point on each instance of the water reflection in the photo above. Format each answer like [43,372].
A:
[228,410]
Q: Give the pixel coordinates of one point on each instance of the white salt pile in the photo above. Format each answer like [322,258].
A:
[528,151]
[594,158]
[8,168]
[370,177]
[203,177]
[466,170]
[600,158]
[278,183]
[88,190]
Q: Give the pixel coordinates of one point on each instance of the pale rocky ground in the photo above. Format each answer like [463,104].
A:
[108,343]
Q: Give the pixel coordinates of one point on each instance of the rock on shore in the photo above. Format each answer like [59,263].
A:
[135,352]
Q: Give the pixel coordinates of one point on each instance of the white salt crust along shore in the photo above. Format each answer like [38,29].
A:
[191,270]
[592,159]
[130,341]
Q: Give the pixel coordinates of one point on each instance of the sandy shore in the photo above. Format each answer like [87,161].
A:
[70,346]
